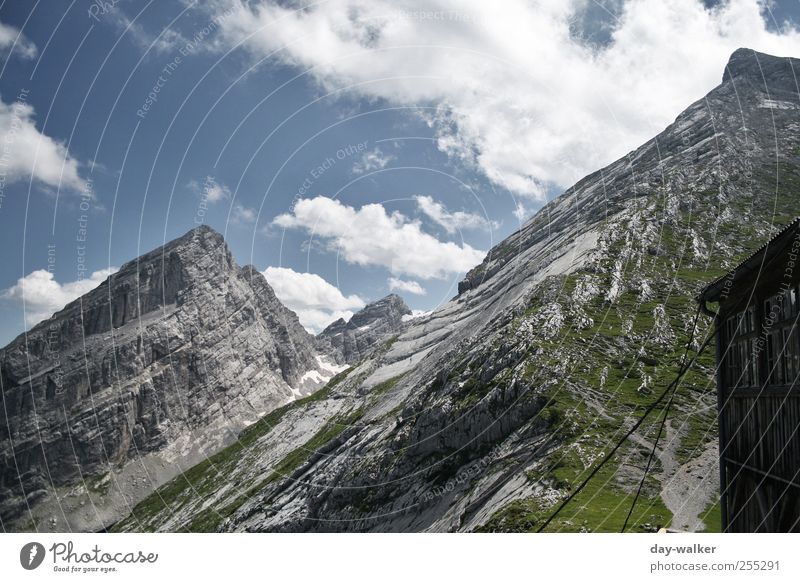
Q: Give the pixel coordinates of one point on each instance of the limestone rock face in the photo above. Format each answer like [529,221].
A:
[351,341]
[162,363]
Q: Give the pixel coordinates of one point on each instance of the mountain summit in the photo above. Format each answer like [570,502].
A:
[769,72]
[161,364]
[351,341]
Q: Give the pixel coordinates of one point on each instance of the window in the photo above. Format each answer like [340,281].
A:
[780,333]
[777,339]
[741,359]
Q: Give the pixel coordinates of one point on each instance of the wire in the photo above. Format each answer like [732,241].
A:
[672,387]
[684,368]
[663,422]
[650,458]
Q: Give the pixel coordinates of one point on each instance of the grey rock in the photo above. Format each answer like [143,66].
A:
[352,341]
[164,361]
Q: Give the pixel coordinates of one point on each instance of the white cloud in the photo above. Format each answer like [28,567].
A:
[210,190]
[315,301]
[372,160]
[371,236]
[25,152]
[451,221]
[42,295]
[412,287]
[521,212]
[519,95]
[167,40]
[215,192]
[242,214]
[11,39]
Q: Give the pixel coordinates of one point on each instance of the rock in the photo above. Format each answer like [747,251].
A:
[350,342]
[179,342]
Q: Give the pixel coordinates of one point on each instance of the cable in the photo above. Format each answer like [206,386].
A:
[685,368]
[672,386]
[650,458]
[663,423]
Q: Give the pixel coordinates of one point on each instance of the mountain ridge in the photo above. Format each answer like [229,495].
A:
[484,414]
[347,342]
[167,359]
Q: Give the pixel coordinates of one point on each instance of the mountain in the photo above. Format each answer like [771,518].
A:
[487,412]
[162,364]
[351,341]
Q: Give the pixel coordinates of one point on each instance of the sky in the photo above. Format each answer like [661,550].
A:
[346,148]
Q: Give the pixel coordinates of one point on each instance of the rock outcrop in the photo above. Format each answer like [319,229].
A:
[162,364]
[348,342]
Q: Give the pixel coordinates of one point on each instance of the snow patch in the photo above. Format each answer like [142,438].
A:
[315,378]
[416,313]
[327,366]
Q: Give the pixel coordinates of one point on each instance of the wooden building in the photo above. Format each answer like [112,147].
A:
[758,368]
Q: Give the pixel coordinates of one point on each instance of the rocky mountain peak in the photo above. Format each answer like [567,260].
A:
[200,240]
[390,307]
[165,276]
[349,342]
[761,69]
[181,345]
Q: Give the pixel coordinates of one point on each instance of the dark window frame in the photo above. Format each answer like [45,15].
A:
[782,349]
[741,357]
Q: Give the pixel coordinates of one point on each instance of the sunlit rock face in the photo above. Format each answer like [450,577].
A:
[348,342]
[162,363]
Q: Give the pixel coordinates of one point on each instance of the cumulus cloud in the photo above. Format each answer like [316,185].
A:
[315,301]
[451,221]
[41,295]
[371,236]
[412,287]
[210,190]
[26,152]
[242,214]
[517,92]
[216,192]
[521,212]
[372,160]
[13,41]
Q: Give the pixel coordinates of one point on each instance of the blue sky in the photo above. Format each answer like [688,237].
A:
[348,149]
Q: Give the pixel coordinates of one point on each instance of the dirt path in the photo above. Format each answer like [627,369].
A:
[686,489]
[690,489]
